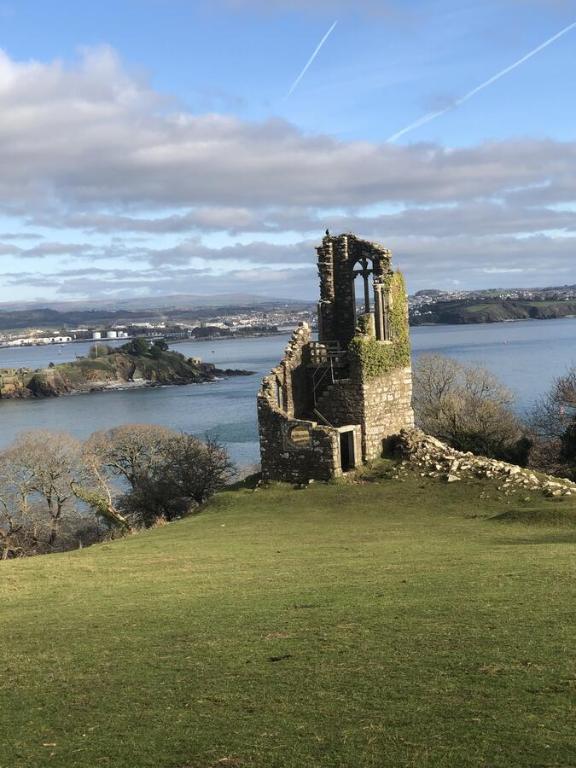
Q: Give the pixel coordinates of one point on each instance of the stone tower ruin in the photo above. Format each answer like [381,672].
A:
[332,404]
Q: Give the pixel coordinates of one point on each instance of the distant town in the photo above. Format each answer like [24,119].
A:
[435,307]
[45,326]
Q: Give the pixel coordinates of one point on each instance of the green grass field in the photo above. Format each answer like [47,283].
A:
[382,623]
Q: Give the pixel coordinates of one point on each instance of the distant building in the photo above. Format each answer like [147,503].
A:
[53,340]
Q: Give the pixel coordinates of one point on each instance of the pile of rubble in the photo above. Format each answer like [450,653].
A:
[436,459]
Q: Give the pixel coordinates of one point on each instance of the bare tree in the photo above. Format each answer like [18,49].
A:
[56,492]
[99,492]
[466,406]
[180,474]
[553,421]
[14,507]
[128,451]
[51,464]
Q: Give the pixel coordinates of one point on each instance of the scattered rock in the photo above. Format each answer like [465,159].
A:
[436,459]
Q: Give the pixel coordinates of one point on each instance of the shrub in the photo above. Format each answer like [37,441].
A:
[138,347]
[553,421]
[165,473]
[467,407]
[185,474]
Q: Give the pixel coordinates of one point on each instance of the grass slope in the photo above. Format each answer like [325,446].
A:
[374,624]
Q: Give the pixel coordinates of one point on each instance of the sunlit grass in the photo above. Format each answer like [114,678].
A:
[378,623]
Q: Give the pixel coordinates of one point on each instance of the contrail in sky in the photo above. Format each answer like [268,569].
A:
[433,115]
[310,60]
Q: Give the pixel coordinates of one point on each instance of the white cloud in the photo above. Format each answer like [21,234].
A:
[95,136]
[93,148]
[289,270]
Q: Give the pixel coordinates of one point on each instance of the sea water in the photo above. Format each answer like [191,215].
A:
[525,355]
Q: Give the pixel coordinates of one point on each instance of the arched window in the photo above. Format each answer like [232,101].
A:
[365,271]
[370,270]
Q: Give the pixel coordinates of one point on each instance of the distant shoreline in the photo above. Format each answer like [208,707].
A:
[283,332]
[124,339]
[132,366]
[494,322]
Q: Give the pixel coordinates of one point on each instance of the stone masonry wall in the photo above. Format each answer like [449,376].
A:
[337,258]
[290,374]
[284,461]
[341,404]
[293,449]
[374,403]
[382,406]
[387,403]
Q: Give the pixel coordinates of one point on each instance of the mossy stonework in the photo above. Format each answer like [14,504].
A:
[351,390]
[374,358]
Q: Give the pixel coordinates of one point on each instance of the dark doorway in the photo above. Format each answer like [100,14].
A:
[347,461]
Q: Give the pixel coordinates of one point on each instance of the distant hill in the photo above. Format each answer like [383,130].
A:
[465,311]
[174,301]
[74,316]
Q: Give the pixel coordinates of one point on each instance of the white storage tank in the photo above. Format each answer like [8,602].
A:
[96,335]
[111,334]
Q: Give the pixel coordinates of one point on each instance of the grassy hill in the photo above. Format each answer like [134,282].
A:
[380,623]
[463,311]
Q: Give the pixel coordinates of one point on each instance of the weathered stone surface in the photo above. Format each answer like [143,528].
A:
[424,452]
[348,414]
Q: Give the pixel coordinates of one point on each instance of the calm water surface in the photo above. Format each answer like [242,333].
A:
[526,356]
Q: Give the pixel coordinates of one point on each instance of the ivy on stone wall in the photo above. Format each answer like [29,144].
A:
[366,324]
[372,358]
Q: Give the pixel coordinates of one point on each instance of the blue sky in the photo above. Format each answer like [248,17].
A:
[147,147]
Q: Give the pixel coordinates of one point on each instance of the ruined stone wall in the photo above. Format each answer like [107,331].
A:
[341,404]
[285,461]
[345,301]
[387,403]
[337,258]
[287,384]
[434,458]
[374,403]
[292,449]
[381,406]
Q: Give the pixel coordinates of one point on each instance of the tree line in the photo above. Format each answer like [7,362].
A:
[58,493]
[470,409]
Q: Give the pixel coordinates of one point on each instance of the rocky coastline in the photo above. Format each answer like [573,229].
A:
[113,371]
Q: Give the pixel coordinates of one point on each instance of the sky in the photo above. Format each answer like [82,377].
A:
[160,147]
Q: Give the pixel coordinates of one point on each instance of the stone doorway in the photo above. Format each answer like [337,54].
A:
[347,451]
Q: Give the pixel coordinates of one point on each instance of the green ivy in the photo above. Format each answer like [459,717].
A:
[366,324]
[372,358]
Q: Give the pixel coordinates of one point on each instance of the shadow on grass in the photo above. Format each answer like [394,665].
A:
[540,516]
[564,520]
[250,482]
[562,537]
